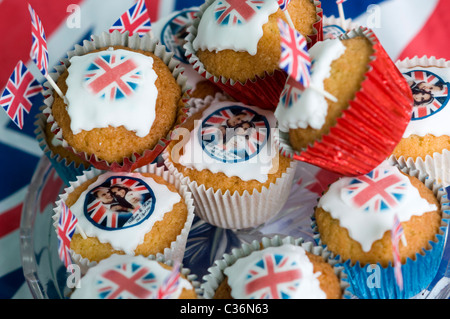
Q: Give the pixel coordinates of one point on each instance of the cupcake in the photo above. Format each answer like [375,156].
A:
[354,220]
[234,44]
[136,277]
[275,268]
[144,212]
[66,164]
[122,97]
[425,142]
[357,132]
[226,155]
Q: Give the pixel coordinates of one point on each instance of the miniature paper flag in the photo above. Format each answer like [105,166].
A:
[396,235]
[134,20]
[283,4]
[170,284]
[66,228]
[39,52]
[15,99]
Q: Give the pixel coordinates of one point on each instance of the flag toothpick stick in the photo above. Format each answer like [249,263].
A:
[341,12]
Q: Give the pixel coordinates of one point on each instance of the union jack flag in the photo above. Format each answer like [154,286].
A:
[101,215]
[233,12]
[134,20]
[170,284]
[433,87]
[39,52]
[66,228]
[291,93]
[377,191]
[127,281]
[396,234]
[132,184]
[273,277]
[112,76]
[295,59]
[283,4]
[340,1]
[15,99]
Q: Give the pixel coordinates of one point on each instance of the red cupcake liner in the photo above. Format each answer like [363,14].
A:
[371,127]
[263,92]
[147,43]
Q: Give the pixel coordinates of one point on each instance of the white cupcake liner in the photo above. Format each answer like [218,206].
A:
[215,276]
[236,211]
[136,42]
[438,164]
[177,247]
[417,272]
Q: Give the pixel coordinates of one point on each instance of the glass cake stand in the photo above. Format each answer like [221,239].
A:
[46,276]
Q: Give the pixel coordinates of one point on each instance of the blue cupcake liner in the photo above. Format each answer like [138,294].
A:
[373,281]
[66,170]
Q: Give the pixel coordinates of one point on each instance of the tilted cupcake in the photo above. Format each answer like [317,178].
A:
[226,155]
[235,44]
[355,219]
[356,133]
[425,144]
[136,277]
[275,268]
[122,97]
[144,212]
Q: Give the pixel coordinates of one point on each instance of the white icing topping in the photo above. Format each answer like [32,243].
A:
[118,89]
[103,220]
[309,108]
[275,272]
[429,118]
[126,277]
[218,156]
[366,205]
[233,24]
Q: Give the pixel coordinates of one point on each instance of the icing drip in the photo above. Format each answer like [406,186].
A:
[111,88]
[283,272]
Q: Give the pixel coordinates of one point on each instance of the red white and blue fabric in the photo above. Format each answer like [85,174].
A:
[295,59]
[275,276]
[424,28]
[396,234]
[135,20]
[39,52]
[233,12]
[126,281]
[67,224]
[15,99]
[283,4]
[378,191]
[112,76]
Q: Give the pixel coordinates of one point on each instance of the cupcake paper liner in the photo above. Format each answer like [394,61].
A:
[177,247]
[215,276]
[235,211]
[368,131]
[437,165]
[67,170]
[146,43]
[263,92]
[373,281]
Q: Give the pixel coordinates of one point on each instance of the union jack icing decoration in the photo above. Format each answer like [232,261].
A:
[114,203]
[275,276]
[283,4]
[67,223]
[39,52]
[291,93]
[396,234]
[378,191]
[295,59]
[234,134]
[16,97]
[135,20]
[113,76]
[127,281]
[234,12]
[429,91]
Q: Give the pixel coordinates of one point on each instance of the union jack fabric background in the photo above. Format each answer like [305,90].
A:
[425,25]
